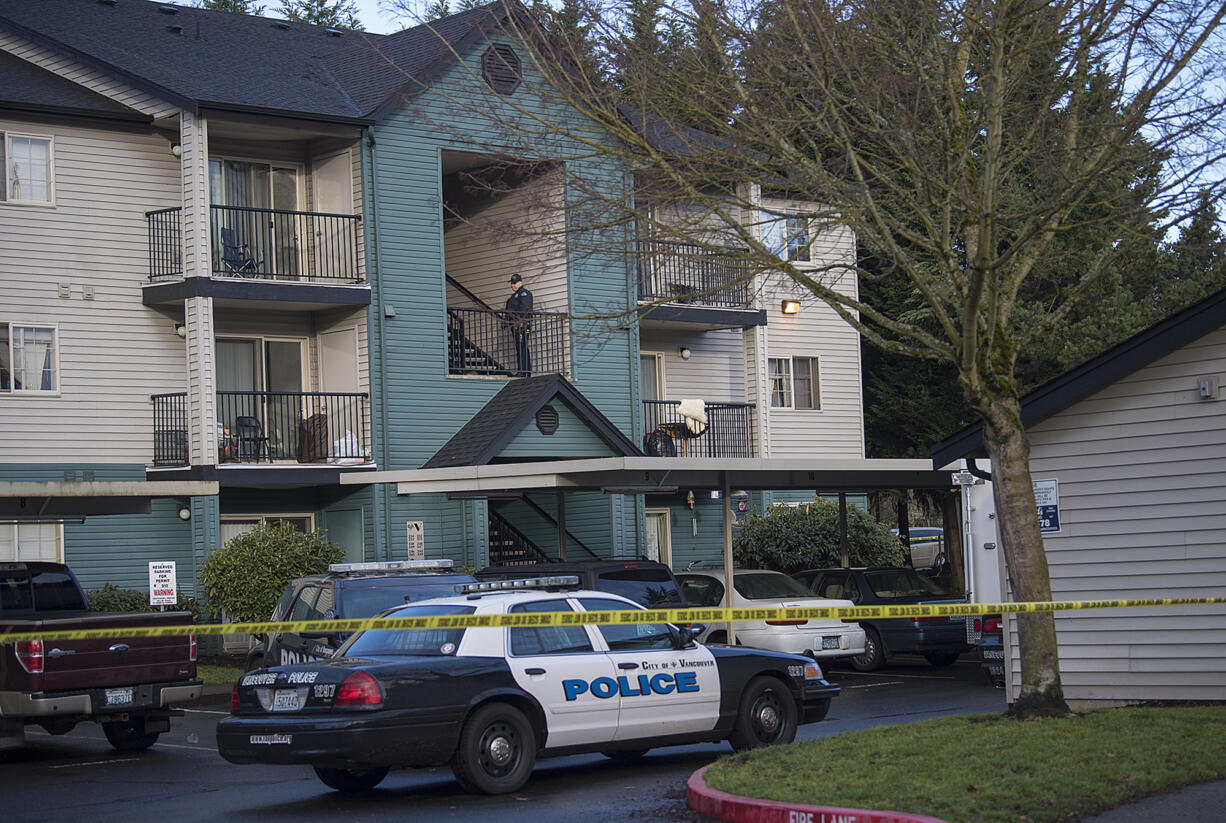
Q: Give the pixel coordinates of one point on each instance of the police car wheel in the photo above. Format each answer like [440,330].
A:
[767,716]
[129,735]
[626,755]
[351,780]
[497,750]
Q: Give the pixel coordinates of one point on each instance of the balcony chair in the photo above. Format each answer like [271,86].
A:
[236,258]
[251,440]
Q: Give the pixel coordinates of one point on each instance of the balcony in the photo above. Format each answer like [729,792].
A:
[269,427]
[487,341]
[686,283]
[261,244]
[729,430]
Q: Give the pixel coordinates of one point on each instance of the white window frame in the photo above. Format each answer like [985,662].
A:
[5,199]
[815,393]
[54,391]
[780,244]
[661,382]
[10,548]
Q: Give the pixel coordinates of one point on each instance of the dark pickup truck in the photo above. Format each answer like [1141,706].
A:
[128,684]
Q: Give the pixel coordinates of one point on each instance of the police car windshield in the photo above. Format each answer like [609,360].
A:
[648,587]
[434,642]
[901,583]
[369,600]
[767,586]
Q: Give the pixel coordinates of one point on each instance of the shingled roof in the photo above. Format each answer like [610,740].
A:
[192,56]
[508,412]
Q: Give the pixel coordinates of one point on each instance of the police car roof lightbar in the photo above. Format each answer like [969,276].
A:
[556,582]
[391,566]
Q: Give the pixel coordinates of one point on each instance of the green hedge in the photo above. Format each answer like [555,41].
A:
[790,539]
[247,575]
[111,598]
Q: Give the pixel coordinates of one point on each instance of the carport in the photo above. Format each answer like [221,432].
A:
[652,475]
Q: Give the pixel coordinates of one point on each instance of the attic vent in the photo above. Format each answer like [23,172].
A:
[281,24]
[174,28]
[168,10]
[333,32]
[500,68]
[547,420]
[108,2]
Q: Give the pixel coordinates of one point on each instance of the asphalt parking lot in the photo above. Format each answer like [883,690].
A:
[80,777]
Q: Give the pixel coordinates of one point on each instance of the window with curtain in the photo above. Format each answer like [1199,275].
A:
[28,358]
[787,237]
[794,383]
[25,168]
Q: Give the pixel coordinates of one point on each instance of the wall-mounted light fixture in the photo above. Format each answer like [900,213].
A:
[181,330]
[684,351]
[185,513]
[791,307]
[176,149]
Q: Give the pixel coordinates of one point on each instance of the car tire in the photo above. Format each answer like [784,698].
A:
[941,659]
[351,780]
[622,756]
[874,653]
[767,715]
[496,752]
[129,735]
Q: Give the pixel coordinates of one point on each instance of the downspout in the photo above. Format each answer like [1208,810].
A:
[380,513]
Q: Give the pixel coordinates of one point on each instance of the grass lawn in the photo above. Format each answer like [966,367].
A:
[989,768]
[214,675]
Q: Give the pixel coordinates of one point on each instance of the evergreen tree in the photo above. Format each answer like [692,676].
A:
[234,6]
[332,13]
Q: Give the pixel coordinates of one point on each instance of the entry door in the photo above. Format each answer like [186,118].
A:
[334,240]
[659,536]
[338,372]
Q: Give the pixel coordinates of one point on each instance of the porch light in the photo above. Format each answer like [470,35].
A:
[684,352]
[185,513]
[791,307]
[180,329]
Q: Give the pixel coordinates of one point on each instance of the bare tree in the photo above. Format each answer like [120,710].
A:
[962,142]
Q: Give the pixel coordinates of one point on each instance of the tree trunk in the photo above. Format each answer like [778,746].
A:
[1041,692]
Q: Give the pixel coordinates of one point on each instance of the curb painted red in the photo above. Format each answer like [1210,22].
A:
[714,803]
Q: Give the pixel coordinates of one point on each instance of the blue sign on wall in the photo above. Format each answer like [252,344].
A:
[1047,500]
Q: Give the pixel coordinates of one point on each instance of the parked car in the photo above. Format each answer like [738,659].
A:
[647,582]
[489,701]
[760,588]
[127,683]
[927,546]
[348,590]
[985,632]
[939,639]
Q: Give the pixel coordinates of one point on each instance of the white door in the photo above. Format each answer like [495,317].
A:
[334,238]
[338,356]
[659,536]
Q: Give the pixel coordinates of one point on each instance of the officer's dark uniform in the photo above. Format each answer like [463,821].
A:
[519,314]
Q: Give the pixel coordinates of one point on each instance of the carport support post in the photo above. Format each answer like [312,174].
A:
[561,525]
[728,580]
[844,553]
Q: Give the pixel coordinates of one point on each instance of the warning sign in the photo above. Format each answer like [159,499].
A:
[163,586]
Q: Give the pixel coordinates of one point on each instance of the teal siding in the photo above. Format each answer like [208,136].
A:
[589,516]
[118,548]
[72,473]
[416,402]
[572,439]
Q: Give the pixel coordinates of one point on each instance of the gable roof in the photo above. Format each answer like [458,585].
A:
[1080,382]
[507,413]
[192,56]
[29,88]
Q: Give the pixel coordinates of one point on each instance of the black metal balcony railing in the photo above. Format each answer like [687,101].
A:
[728,432]
[687,273]
[261,244]
[485,341]
[264,427]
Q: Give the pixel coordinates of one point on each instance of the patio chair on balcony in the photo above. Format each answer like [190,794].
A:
[252,442]
[236,257]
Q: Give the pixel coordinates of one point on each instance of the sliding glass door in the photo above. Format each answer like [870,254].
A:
[255,243]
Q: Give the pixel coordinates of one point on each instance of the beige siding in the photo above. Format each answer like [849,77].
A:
[715,371]
[837,429]
[1142,481]
[114,352]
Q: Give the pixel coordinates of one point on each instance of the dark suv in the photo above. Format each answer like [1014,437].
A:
[647,582]
[349,590]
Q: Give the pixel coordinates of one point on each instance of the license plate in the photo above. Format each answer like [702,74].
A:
[118,697]
[830,642]
[285,700]
[270,739]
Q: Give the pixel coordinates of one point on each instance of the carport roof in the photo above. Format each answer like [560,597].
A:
[643,475]
[49,500]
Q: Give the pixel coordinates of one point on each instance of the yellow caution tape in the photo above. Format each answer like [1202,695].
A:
[688,615]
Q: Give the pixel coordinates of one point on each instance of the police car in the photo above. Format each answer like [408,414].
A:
[489,701]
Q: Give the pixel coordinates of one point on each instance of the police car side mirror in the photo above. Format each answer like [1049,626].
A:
[685,635]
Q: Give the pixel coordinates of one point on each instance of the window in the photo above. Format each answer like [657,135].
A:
[29,358]
[32,541]
[234,525]
[435,642]
[26,169]
[794,383]
[632,636]
[787,237]
[547,639]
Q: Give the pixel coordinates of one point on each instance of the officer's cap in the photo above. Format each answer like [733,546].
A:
[515,278]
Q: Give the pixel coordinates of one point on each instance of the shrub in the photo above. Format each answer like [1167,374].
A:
[247,575]
[111,598]
[789,539]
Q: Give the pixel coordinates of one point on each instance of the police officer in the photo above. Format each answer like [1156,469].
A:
[519,317]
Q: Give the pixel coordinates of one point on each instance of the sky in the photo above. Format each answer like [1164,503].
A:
[374,20]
